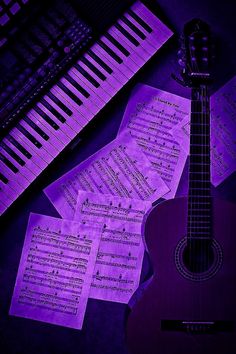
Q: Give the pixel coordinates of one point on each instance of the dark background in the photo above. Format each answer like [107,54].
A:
[103,329]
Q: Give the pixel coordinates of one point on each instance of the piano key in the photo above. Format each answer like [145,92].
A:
[86,75]
[80,116]
[97,72]
[145,46]
[39,156]
[126,33]
[53,110]
[18,184]
[133,13]
[78,87]
[23,141]
[116,68]
[23,173]
[2,206]
[117,44]
[92,105]
[28,162]
[100,61]
[3,178]
[140,57]
[52,151]
[19,146]
[65,130]
[11,152]
[89,107]
[134,28]
[36,128]
[99,93]
[104,90]
[59,103]
[29,136]
[38,109]
[109,51]
[129,65]
[7,161]
[69,93]
[53,140]
[7,194]
[110,79]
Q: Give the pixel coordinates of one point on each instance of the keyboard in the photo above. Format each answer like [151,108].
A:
[76,98]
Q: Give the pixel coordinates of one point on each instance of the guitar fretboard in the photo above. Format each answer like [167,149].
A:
[199,200]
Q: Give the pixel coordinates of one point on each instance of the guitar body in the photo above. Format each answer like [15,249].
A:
[205,310]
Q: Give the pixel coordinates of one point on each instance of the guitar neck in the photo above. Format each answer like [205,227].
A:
[199,199]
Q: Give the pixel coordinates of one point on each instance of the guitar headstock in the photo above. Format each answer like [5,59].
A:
[196,56]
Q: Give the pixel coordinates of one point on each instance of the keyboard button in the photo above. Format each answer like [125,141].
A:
[29,136]
[127,34]
[140,21]
[44,116]
[117,44]
[69,93]
[3,178]
[86,75]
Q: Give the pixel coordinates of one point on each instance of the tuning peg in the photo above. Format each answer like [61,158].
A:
[181,62]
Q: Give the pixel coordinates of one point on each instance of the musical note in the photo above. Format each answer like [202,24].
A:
[149,117]
[119,169]
[120,254]
[55,271]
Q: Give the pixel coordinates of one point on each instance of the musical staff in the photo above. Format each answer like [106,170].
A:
[149,117]
[119,169]
[55,271]
[120,254]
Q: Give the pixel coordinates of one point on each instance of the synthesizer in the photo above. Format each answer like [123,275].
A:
[31,138]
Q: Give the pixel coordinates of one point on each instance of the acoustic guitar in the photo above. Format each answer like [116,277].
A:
[189,306]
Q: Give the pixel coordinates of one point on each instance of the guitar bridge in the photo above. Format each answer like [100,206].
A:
[197,327]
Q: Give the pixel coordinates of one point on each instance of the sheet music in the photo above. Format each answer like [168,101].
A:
[223,132]
[120,255]
[120,168]
[55,271]
[149,117]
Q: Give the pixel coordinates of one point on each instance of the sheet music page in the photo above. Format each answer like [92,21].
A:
[55,271]
[120,255]
[120,168]
[223,132]
[149,117]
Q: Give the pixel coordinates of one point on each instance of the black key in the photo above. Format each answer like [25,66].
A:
[29,136]
[46,118]
[127,34]
[94,69]
[87,75]
[133,27]
[76,85]
[19,146]
[8,163]
[110,52]
[69,93]
[59,103]
[3,178]
[53,110]
[36,128]
[140,21]
[13,154]
[117,44]
[100,61]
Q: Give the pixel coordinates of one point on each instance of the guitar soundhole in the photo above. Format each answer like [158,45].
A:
[199,262]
